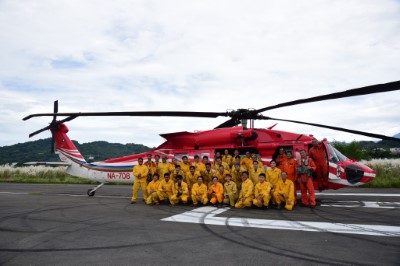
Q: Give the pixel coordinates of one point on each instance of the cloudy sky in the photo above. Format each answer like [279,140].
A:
[196,56]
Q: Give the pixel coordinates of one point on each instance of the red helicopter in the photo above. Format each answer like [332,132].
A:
[266,142]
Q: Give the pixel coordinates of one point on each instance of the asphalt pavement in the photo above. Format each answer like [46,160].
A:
[61,225]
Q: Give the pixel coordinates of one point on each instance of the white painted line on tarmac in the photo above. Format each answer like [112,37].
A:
[362,204]
[206,215]
[358,194]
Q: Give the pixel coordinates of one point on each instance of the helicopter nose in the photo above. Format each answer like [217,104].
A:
[359,173]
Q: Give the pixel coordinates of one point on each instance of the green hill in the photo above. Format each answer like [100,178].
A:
[39,150]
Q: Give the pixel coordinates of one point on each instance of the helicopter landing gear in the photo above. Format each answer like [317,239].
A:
[91,192]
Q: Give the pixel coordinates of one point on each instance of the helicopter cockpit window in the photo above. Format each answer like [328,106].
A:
[335,155]
[180,155]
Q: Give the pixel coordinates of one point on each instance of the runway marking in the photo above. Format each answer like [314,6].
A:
[361,204]
[357,194]
[206,215]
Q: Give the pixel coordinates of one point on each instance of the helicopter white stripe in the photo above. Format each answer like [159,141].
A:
[206,215]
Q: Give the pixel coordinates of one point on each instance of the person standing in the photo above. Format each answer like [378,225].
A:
[289,167]
[304,170]
[318,155]
[140,172]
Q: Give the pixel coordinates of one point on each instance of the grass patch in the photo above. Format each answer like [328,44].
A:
[387,173]
[39,174]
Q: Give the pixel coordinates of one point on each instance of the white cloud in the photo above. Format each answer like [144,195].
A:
[197,56]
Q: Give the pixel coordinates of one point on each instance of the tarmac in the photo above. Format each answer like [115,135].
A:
[60,225]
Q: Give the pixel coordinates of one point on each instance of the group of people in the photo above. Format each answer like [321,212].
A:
[231,180]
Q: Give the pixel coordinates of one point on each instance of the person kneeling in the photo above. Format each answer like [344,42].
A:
[199,192]
[246,193]
[180,192]
[262,192]
[284,192]
[216,192]
[152,188]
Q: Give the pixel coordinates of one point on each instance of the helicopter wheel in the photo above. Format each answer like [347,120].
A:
[90,193]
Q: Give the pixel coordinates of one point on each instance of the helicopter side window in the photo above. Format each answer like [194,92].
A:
[179,156]
[336,156]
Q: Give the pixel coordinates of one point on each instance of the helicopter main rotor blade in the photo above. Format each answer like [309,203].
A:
[133,113]
[229,123]
[391,86]
[52,125]
[372,135]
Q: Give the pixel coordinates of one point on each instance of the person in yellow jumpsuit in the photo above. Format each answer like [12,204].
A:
[140,173]
[246,193]
[208,175]
[199,192]
[150,164]
[227,158]
[255,172]
[176,172]
[172,165]
[185,164]
[237,160]
[236,173]
[284,192]
[247,162]
[152,189]
[262,192]
[254,157]
[163,167]
[216,192]
[191,177]
[273,174]
[230,191]
[218,162]
[200,167]
[221,173]
[164,191]
[180,192]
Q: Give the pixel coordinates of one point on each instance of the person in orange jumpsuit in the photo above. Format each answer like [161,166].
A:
[318,155]
[284,192]
[281,158]
[304,170]
[262,192]
[199,192]
[164,191]
[216,192]
[246,194]
[289,167]
[180,192]
[152,189]
[140,173]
